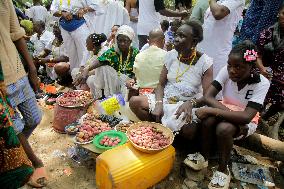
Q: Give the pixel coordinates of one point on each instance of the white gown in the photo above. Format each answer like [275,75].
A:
[115,14]
[189,87]
[133,25]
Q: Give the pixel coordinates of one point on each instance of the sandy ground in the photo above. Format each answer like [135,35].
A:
[64,173]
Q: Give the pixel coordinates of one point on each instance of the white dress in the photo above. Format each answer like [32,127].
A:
[188,87]
[218,34]
[115,14]
[133,25]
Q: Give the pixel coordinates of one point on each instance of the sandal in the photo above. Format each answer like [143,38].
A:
[220,180]
[38,178]
[196,161]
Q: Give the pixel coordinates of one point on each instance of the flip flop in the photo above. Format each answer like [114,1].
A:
[38,178]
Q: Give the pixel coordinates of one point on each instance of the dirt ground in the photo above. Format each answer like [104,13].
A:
[64,173]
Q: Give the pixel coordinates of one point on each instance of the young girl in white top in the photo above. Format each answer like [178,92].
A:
[234,117]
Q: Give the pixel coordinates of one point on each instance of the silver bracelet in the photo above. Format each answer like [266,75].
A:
[193,103]
[158,101]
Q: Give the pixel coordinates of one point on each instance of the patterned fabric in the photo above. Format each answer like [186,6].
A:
[31,117]
[275,60]
[22,97]
[112,58]
[20,91]
[260,15]
[15,167]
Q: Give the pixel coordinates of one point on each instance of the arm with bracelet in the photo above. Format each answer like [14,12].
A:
[187,107]
[159,94]
[86,72]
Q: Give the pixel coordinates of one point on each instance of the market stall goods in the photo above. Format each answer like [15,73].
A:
[50,101]
[89,117]
[109,141]
[90,128]
[123,127]
[149,137]
[75,98]
[72,129]
[64,116]
[112,120]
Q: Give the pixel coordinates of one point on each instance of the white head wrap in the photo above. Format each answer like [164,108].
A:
[125,30]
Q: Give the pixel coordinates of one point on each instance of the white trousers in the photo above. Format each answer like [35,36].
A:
[75,44]
[106,78]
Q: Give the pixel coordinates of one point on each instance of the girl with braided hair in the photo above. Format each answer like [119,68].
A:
[95,46]
[233,118]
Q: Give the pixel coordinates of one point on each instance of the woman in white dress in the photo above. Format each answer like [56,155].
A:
[109,73]
[131,6]
[184,72]
[115,14]
[95,47]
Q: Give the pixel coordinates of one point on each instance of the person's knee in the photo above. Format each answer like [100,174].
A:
[208,122]
[225,130]
[189,131]
[135,102]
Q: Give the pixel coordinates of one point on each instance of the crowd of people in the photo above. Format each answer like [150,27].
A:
[205,73]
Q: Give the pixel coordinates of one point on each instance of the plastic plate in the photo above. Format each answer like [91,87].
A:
[122,136]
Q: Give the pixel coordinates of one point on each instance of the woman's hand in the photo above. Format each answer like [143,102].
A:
[158,112]
[77,79]
[92,72]
[67,15]
[203,113]
[43,61]
[80,13]
[185,108]
[81,77]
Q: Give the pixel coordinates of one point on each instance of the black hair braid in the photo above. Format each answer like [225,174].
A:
[98,39]
[242,48]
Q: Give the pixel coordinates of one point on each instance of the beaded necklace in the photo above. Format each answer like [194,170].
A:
[120,64]
[68,2]
[192,57]
[61,2]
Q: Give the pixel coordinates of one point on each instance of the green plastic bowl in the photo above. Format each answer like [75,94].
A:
[122,136]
